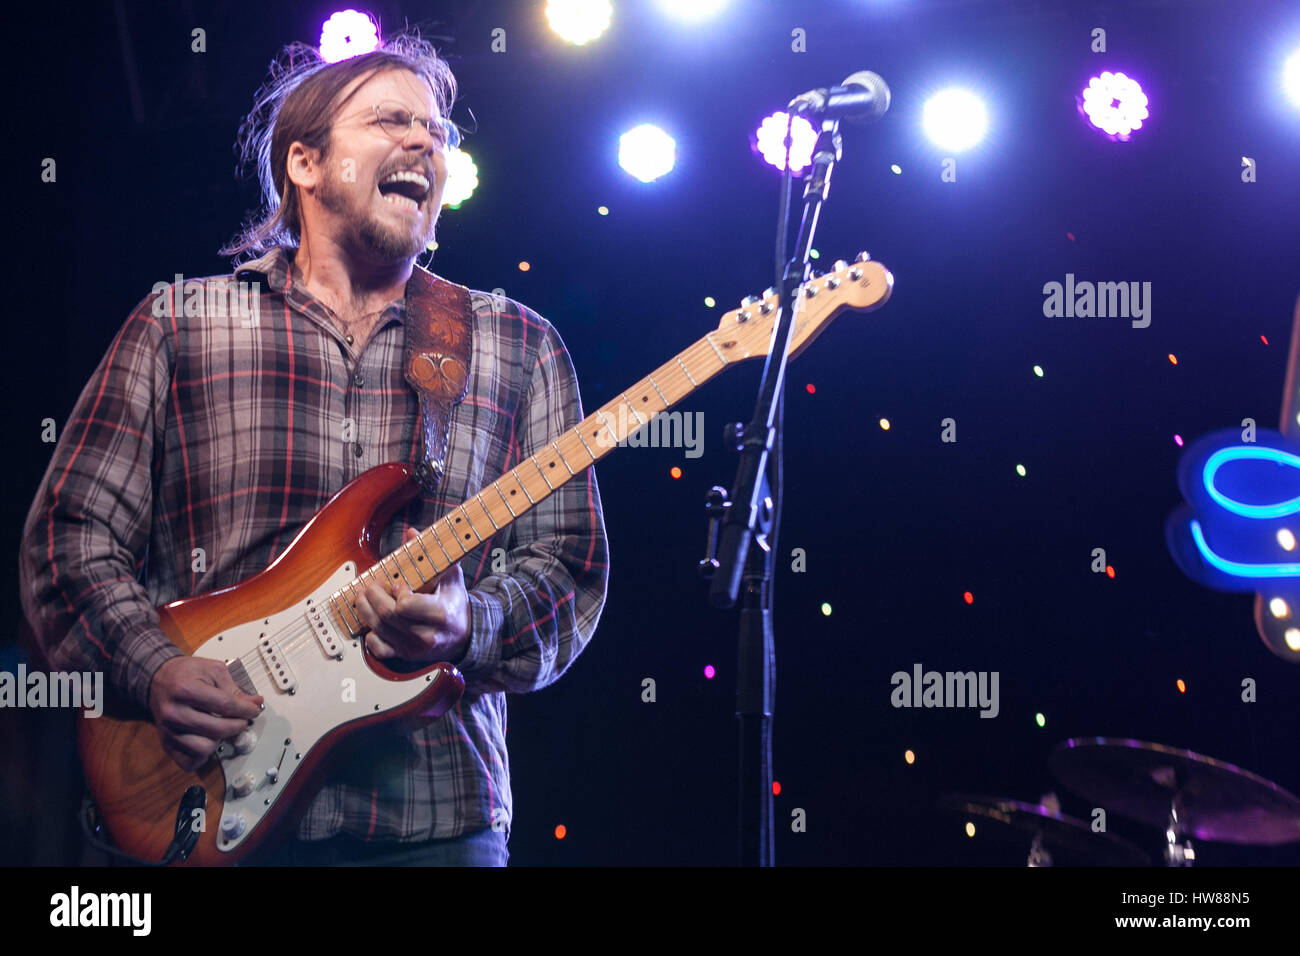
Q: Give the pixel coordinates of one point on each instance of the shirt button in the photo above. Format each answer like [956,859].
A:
[359,379]
[356,449]
[349,339]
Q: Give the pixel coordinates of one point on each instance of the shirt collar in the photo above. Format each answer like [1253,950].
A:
[276,267]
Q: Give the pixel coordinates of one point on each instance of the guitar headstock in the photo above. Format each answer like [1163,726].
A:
[861,286]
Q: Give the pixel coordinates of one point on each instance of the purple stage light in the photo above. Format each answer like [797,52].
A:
[1115,104]
[771,141]
[346,34]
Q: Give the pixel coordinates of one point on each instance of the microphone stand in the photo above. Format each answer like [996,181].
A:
[739,568]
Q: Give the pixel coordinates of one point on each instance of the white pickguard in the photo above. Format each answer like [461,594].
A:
[326,693]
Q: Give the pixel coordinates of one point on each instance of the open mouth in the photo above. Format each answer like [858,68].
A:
[406,189]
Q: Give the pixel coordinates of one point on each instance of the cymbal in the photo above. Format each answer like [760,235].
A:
[1059,833]
[1220,802]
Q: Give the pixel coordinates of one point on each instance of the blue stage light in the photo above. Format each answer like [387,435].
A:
[955,119]
[646,152]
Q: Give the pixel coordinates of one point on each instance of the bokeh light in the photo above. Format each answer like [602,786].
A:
[955,120]
[646,152]
[771,141]
[346,34]
[1291,77]
[462,178]
[579,21]
[1115,104]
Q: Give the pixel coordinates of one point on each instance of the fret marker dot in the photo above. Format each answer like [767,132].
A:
[675,472]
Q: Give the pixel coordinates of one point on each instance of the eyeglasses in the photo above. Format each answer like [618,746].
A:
[397,122]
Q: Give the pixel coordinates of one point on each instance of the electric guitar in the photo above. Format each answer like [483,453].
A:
[292,635]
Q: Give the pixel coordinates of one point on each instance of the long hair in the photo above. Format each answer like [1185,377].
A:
[298,103]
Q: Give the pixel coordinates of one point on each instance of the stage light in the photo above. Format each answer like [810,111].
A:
[346,34]
[1038,370]
[710,302]
[970,829]
[1286,539]
[968,597]
[709,672]
[1278,608]
[909,756]
[579,21]
[771,141]
[826,609]
[646,152]
[896,169]
[462,178]
[884,424]
[1291,78]
[1182,687]
[1020,470]
[602,210]
[1292,637]
[1178,440]
[693,10]
[776,788]
[954,119]
[1040,720]
[1115,104]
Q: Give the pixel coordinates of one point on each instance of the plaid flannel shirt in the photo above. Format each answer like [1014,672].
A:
[198,432]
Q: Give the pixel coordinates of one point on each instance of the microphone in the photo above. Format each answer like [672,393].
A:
[862,97]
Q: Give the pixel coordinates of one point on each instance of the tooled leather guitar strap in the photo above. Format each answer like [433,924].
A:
[439,335]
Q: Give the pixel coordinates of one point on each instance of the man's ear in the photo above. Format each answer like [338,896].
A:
[304,166]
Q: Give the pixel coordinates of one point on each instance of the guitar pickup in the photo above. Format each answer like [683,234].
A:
[325,633]
[277,665]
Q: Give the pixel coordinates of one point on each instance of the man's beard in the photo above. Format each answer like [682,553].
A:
[362,229]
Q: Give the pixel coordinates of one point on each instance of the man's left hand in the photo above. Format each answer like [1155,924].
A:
[411,626]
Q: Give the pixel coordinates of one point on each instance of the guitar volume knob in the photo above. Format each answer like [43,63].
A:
[243,784]
[232,825]
[245,742]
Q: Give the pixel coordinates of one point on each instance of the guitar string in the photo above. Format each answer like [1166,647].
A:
[305,638]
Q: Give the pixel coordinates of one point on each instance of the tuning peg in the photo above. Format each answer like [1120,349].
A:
[840,265]
[748,300]
[769,292]
[863,257]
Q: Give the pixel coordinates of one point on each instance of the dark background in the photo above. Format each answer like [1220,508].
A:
[896,525]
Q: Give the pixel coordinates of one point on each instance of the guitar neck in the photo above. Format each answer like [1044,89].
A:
[743,333]
[494,507]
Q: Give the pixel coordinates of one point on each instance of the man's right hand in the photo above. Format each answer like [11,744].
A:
[196,705]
